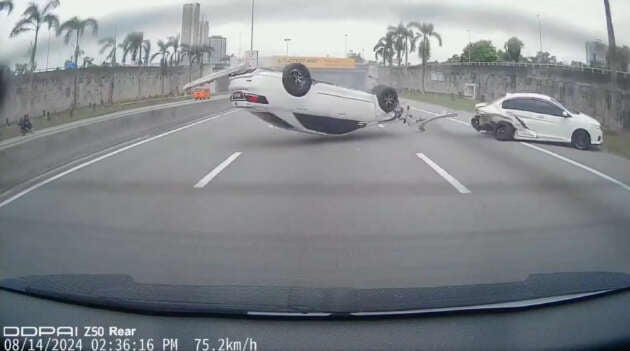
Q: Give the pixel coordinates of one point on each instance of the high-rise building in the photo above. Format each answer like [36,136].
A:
[204,31]
[596,53]
[190,24]
[219,48]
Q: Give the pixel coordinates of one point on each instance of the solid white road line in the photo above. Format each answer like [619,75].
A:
[577,164]
[205,180]
[108,155]
[449,178]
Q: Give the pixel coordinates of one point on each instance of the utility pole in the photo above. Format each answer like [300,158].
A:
[540,32]
[469,47]
[345,53]
[612,49]
[612,46]
[48,50]
[287,40]
[251,45]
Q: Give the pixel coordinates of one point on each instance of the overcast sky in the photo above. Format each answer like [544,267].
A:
[317,27]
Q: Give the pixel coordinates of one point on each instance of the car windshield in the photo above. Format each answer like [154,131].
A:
[138,159]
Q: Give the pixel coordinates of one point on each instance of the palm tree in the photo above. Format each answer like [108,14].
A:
[424,48]
[88,61]
[384,49]
[109,45]
[7,4]
[194,54]
[76,27]
[134,44]
[401,36]
[32,20]
[164,54]
[176,54]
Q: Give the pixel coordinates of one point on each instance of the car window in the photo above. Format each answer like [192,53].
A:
[515,104]
[544,107]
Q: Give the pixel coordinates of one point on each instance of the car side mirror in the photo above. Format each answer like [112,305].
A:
[566,114]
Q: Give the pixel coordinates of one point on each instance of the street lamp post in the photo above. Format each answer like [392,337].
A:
[540,32]
[251,45]
[287,40]
[469,47]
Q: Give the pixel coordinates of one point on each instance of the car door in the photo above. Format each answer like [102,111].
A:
[547,120]
[523,118]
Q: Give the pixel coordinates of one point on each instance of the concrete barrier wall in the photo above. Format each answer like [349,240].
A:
[588,92]
[52,91]
[29,159]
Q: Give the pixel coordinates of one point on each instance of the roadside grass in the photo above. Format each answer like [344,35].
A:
[40,122]
[616,142]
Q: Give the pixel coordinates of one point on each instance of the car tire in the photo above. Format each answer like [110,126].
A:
[387,98]
[504,132]
[475,123]
[296,79]
[581,140]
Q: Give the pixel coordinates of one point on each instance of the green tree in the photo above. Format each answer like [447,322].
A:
[384,49]
[425,33]
[163,53]
[195,54]
[399,35]
[622,56]
[109,45]
[544,58]
[32,20]
[480,51]
[88,61]
[76,27]
[135,44]
[176,53]
[8,5]
[454,58]
[513,49]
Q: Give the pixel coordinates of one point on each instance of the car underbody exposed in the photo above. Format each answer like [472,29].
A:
[293,100]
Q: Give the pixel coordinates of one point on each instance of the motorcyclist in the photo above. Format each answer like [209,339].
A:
[25,124]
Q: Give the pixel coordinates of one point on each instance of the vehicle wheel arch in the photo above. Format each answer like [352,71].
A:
[588,138]
[511,128]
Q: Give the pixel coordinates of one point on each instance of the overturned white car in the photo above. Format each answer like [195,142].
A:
[526,116]
[293,100]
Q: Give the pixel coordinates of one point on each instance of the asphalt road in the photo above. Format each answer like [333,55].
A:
[233,201]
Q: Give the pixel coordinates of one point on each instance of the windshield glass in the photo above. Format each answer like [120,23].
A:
[133,145]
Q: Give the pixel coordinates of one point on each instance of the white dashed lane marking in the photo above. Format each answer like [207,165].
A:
[215,172]
[444,174]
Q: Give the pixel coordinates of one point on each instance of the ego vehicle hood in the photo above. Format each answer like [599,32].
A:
[121,292]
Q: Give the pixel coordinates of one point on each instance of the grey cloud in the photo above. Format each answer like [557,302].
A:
[480,18]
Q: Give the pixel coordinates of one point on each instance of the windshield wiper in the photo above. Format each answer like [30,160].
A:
[121,292]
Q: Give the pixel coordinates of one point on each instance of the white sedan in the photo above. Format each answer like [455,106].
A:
[292,100]
[525,116]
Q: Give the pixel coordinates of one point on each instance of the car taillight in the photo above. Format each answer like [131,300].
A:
[257,99]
